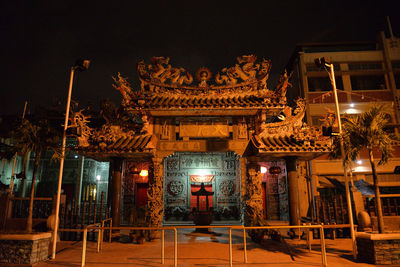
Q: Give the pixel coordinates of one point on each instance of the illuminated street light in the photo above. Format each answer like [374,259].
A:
[80,65]
[324,63]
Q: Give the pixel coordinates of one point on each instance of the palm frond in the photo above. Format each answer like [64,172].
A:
[367,130]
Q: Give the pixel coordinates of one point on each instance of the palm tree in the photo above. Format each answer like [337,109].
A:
[37,138]
[367,131]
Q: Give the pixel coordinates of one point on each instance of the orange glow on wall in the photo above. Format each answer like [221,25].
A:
[201,178]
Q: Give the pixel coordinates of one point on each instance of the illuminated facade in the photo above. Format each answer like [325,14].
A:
[230,138]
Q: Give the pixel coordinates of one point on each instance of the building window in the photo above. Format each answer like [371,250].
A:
[89,191]
[397,79]
[316,84]
[368,82]
[396,64]
[365,66]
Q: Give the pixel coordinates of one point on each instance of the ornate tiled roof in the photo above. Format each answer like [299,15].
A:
[232,101]
[289,143]
[133,143]
[291,137]
[110,139]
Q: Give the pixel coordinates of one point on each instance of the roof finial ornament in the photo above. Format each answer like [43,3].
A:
[203,75]
[283,84]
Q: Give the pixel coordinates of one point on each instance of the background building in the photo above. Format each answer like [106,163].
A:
[366,74]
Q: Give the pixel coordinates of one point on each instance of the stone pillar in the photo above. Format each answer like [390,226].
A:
[155,204]
[253,196]
[116,187]
[254,212]
[293,191]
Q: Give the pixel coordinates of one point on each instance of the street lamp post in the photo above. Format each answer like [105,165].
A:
[80,65]
[323,63]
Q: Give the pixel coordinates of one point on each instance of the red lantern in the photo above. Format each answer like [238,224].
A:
[275,170]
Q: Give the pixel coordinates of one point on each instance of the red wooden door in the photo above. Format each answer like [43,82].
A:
[264,199]
[141,194]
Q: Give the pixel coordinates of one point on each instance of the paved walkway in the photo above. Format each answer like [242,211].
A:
[196,249]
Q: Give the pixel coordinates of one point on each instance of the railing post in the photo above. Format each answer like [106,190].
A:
[230,246]
[309,238]
[245,245]
[98,239]
[175,247]
[323,251]
[109,240]
[102,235]
[162,246]
[84,247]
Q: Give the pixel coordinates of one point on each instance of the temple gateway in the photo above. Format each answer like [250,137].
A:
[223,149]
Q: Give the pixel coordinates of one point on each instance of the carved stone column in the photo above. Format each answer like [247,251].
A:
[253,211]
[293,191]
[155,205]
[116,186]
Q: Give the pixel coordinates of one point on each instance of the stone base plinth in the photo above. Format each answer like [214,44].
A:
[24,248]
[380,249]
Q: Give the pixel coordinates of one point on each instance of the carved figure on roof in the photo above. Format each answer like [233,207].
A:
[248,70]
[329,119]
[109,134]
[124,87]
[291,121]
[178,76]
[157,68]
[79,121]
[109,111]
[286,112]
[263,73]
[230,78]
[147,125]
[161,72]
[283,84]
[142,72]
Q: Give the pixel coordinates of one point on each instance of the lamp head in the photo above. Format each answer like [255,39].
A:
[321,62]
[82,64]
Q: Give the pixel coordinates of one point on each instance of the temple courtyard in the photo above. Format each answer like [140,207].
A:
[198,249]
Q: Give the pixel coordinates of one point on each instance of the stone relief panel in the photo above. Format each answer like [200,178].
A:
[222,166]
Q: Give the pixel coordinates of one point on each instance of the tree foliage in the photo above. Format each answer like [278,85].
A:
[36,137]
[367,130]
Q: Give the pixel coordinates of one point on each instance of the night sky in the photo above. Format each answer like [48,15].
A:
[42,39]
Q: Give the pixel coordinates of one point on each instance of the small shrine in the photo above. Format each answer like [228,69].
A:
[179,137]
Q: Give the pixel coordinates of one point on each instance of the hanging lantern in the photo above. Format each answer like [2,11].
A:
[275,170]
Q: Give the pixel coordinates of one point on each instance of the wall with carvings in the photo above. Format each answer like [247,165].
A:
[221,171]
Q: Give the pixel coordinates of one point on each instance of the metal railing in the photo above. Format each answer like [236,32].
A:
[111,228]
[100,227]
[320,227]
